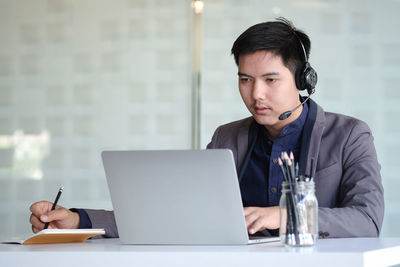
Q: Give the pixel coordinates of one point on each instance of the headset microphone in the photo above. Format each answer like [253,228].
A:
[287,114]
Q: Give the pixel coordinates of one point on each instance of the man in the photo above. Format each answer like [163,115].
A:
[272,60]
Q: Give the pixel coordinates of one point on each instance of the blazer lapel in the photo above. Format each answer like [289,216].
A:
[242,145]
[315,139]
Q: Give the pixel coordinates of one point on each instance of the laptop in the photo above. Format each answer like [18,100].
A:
[177,197]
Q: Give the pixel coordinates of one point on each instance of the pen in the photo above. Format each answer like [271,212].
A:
[55,204]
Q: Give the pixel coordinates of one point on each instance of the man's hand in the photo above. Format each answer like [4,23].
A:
[60,218]
[258,219]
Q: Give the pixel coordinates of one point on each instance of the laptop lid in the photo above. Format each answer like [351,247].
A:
[176,197]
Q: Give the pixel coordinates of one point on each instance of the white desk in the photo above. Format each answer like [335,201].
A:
[109,252]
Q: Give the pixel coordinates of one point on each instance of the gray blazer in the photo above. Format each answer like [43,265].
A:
[348,184]
[347,180]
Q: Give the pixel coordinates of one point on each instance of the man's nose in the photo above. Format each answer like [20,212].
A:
[258,90]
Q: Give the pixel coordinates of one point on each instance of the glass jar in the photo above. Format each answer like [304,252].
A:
[299,214]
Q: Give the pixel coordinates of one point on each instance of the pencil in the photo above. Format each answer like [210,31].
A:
[312,171]
[55,204]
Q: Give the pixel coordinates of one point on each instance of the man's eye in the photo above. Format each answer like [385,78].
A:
[244,79]
[271,80]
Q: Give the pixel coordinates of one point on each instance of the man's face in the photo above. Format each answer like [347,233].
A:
[267,88]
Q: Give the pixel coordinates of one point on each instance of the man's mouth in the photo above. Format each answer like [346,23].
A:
[260,110]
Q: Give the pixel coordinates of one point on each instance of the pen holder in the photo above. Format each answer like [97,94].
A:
[299,214]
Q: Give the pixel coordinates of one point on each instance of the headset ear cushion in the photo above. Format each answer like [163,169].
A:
[310,79]
[306,78]
[299,77]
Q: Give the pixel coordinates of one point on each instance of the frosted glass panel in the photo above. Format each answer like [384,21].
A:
[78,77]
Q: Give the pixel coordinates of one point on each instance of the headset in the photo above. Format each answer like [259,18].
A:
[305,77]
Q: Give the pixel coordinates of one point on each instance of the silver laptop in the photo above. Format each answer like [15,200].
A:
[177,197]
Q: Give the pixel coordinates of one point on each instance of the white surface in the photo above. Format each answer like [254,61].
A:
[105,252]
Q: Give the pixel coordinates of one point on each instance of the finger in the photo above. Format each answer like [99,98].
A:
[35,221]
[256,226]
[39,208]
[54,215]
[251,218]
[250,225]
[248,210]
[35,230]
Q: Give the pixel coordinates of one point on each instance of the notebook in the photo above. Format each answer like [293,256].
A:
[177,197]
[53,236]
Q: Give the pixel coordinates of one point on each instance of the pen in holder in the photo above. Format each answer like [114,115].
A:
[298,206]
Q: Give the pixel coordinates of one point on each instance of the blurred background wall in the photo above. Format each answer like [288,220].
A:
[79,77]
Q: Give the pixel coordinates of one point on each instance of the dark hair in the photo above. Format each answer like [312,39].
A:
[279,37]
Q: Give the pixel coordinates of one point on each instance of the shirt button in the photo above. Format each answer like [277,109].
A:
[273,190]
[275,161]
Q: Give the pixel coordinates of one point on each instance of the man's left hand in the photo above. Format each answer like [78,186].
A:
[258,219]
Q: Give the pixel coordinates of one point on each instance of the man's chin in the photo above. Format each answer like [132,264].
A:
[266,121]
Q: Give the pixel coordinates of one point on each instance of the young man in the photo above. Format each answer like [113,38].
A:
[272,59]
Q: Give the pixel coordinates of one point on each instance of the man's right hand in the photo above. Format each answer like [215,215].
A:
[60,218]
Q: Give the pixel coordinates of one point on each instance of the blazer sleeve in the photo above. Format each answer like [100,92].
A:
[214,143]
[103,219]
[360,207]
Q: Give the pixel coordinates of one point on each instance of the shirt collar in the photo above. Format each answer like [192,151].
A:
[294,127]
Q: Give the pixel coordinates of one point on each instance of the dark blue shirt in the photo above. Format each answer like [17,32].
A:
[261,182]
[84,220]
